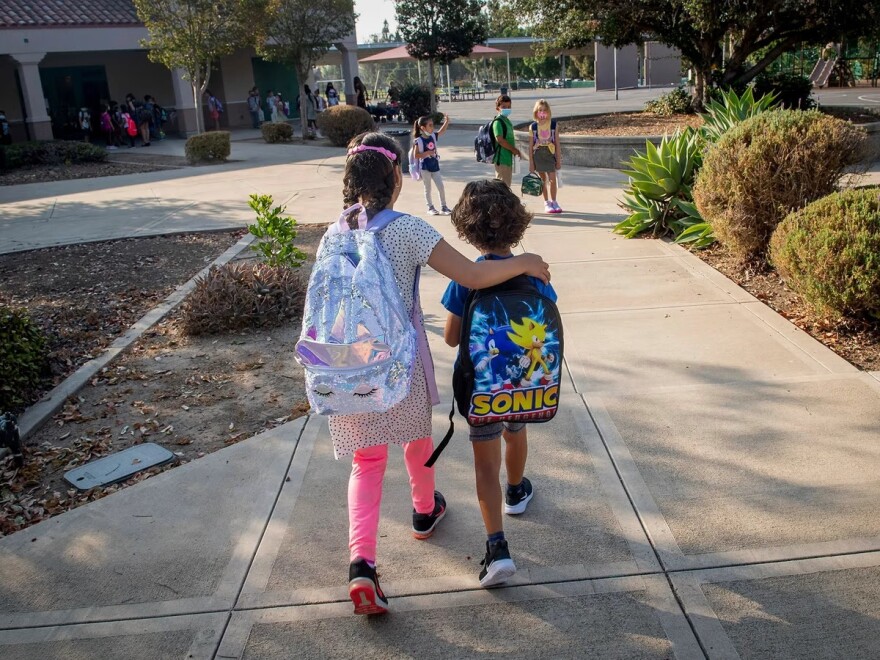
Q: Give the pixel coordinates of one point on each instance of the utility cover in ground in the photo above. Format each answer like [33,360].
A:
[118,466]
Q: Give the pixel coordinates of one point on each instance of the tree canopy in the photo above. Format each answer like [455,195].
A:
[302,31]
[193,34]
[756,32]
[441,31]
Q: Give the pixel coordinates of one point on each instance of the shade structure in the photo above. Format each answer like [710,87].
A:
[399,53]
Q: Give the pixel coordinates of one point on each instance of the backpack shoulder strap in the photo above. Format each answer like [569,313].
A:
[382,219]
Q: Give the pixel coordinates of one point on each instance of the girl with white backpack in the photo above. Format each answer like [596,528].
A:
[367,364]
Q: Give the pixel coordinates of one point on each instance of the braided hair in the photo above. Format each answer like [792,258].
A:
[369,175]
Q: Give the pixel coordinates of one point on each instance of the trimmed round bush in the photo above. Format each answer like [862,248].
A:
[343,122]
[829,253]
[768,166]
[208,147]
[676,102]
[274,132]
[23,358]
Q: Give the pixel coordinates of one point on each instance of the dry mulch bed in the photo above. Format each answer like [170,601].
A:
[192,395]
[855,341]
[132,164]
[628,123]
[855,115]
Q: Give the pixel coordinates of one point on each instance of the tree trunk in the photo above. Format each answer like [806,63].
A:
[303,109]
[700,91]
[431,86]
[199,86]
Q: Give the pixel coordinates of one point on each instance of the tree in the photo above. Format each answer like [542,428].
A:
[756,32]
[192,35]
[440,31]
[302,31]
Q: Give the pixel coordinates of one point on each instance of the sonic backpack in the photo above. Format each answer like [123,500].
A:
[509,357]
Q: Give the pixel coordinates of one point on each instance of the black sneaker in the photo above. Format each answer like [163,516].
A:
[517,498]
[498,567]
[364,590]
[424,523]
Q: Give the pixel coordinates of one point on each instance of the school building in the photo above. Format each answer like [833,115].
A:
[57,57]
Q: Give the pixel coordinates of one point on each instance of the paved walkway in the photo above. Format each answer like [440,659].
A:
[709,488]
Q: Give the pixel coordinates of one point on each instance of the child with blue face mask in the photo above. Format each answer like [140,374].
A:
[502,129]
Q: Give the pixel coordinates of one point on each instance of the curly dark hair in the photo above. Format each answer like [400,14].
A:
[369,175]
[489,216]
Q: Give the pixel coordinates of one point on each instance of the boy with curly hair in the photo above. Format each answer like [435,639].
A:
[491,218]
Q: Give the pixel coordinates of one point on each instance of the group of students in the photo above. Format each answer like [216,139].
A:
[278,109]
[492,218]
[123,123]
[545,155]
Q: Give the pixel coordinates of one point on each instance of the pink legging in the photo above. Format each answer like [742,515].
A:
[365,491]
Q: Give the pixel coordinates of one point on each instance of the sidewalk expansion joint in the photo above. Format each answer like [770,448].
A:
[119,619]
[770,562]
[657,554]
[465,590]
[262,534]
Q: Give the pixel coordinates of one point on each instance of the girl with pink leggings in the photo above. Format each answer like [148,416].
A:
[373,178]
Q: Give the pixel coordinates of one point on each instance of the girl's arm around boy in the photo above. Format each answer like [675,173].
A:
[482,274]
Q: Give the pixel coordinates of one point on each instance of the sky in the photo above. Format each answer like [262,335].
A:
[371,14]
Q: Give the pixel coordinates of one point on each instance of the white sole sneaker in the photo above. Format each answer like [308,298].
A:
[499,571]
[519,507]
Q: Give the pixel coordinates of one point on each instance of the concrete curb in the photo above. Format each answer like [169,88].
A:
[37,415]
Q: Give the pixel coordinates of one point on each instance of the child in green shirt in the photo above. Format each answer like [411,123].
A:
[506,149]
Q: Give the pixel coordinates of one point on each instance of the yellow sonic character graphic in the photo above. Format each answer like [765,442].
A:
[531,335]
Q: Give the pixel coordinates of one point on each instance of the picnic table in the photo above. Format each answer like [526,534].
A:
[461,94]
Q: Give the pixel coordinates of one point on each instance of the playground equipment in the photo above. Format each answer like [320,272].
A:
[822,72]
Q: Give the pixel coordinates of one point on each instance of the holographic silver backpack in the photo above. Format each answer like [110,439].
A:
[358,344]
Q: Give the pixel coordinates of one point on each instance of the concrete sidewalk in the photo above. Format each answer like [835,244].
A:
[709,488]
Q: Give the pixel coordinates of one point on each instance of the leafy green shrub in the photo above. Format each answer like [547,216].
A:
[676,102]
[343,122]
[23,358]
[415,101]
[792,91]
[239,296]
[208,147]
[658,196]
[276,131]
[276,233]
[55,152]
[768,166]
[732,108]
[829,252]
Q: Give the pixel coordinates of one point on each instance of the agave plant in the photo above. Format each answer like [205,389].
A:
[722,115]
[659,192]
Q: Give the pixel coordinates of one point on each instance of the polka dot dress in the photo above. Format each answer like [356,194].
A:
[408,242]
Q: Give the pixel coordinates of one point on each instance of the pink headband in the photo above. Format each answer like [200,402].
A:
[382,150]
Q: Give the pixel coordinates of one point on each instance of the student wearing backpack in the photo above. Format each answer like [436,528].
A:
[215,108]
[505,149]
[84,123]
[372,183]
[253,103]
[491,218]
[425,151]
[107,128]
[545,156]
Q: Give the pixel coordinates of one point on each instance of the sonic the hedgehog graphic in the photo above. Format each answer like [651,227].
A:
[501,353]
[531,336]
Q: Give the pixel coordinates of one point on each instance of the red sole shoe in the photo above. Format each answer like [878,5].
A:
[366,601]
